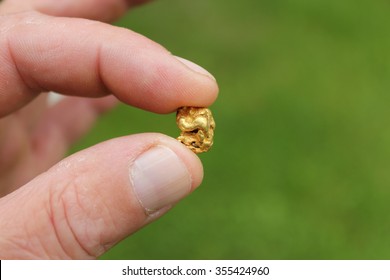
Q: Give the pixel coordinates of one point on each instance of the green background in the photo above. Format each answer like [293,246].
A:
[300,165]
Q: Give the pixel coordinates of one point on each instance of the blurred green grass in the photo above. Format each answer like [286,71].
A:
[301,163]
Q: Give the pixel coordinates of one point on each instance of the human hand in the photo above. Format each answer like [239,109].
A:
[86,203]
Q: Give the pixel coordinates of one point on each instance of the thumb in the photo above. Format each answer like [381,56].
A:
[91,200]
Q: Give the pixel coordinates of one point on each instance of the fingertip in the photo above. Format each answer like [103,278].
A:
[190,160]
[154,79]
[193,85]
[195,67]
[164,173]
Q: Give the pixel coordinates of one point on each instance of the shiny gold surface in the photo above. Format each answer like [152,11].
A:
[197,128]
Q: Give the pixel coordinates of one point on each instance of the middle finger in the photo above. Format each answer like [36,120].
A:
[101,10]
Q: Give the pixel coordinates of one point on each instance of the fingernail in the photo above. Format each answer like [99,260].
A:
[195,67]
[159,178]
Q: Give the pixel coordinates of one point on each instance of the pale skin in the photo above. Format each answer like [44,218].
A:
[81,206]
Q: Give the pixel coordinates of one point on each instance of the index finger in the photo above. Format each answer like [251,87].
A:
[85,58]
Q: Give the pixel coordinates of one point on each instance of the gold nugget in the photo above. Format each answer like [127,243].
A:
[197,128]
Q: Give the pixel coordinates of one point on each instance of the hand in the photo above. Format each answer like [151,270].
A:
[83,205]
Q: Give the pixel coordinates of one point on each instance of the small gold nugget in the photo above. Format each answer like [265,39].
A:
[197,128]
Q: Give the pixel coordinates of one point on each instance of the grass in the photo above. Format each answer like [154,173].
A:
[301,163]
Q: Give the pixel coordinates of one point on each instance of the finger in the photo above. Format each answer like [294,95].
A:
[84,58]
[102,10]
[95,198]
[66,122]
[18,164]
[24,153]
[31,114]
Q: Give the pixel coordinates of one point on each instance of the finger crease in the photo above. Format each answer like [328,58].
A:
[28,87]
[98,69]
[67,220]
[53,204]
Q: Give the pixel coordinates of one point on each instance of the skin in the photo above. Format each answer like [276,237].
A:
[44,211]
